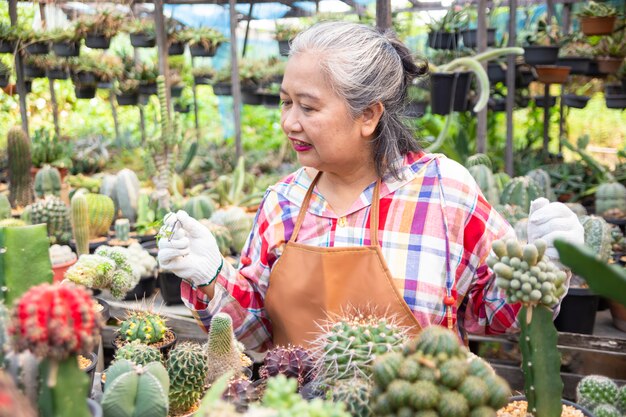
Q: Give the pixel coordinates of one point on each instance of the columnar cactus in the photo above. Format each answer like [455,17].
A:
[139,353]
[486,182]
[136,391]
[107,187]
[187,368]
[223,352]
[238,223]
[122,230]
[48,182]
[520,192]
[434,375]
[127,193]
[598,235]
[79,215]
[20,183]
[611,195]
[527,277]
[542,178]
[291,361]
[101,214]
[56,215]
[144,326]
[223,238]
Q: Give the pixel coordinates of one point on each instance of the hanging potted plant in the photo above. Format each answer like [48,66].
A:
[578,92]
[65,42]
[496,71]
[576,54]
[183,104]
[176,84]
[597,18]
[541,45]
[552,74]
[127,92]
[203,41]
[283,35]
[203,75]
[176,39]
[221,82]
[444,33]
[540,101]
[147,74]
[524,75]
[56,68]
[107,68]
[610,52]
[34,67]
[269,84]
[142,33]
[251,74]
[417,100]
[8,38]
[469,33]
[34,42]
[5,74]
[98,30]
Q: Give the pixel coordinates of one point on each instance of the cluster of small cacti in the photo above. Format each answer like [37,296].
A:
[520,191]
[524,273]
[435,376]
[611,200]
[200,207]
[238,223]
[224,353]
[145,326]
[136,390]
[347,346]
[61,254]
[20,182]
[222,236]
[601,396]
[187,369]
[139,353]
[47,182]
[291,361]
[597,235]
[55,214]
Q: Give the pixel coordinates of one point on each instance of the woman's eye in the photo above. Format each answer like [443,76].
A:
[306,108]
[284,102]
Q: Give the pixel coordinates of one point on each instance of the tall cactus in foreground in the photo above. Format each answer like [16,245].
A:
[79,214]
[527,277]
[18,149]
[223,353]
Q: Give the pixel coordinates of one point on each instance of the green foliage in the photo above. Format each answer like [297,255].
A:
[594,9]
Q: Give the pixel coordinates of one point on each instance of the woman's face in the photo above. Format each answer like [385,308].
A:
[317,122]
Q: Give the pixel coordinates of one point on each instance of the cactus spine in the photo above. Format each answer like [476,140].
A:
[122,229]
[187,368]
[143,326]
[79,214]
[598,235]
[138,353]
[594,390]
[55,214]
[18,149]
[200,207]
[48,182]
[542,178]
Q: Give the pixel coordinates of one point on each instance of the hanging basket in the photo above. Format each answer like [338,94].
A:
[32,71]
[594,71]
[57,74]
[523,76]
[249,96]
[270,100]
[200,50]
[85,91]
[592,25]
[443,90]
[617,101]
[176,90]
[496,72]
[577,102]
[176,48]
[415,109]
[179,108]
[443,40]
[609,65]
[540,101]
[551,74]
[38,48]
[283,48]
[202,79]
[95,41]
[127,99]
[4,81]
[66,48]
[6,47]
[85,77]
[142,40]
[470,37]
[541,55]
[148,89]
[222,89]
[578,65]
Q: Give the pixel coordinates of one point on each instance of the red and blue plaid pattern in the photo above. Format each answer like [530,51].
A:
[412,240]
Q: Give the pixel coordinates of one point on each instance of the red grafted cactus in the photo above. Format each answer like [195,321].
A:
[291,361]
[55,321]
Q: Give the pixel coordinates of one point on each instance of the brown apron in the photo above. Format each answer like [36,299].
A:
[309,283]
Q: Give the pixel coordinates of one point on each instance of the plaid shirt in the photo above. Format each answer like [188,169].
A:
[412,238]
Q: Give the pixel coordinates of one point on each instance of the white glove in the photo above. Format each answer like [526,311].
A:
[190,251]
[549,221]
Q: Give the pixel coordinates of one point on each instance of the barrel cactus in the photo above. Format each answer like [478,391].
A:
[594,390]
[222,236]
[139,353]
[606,410]
[355,394]
[101,214]
[479,159]
[79,215]
[145,326]
[291,361]
[502,179]
[542,178]
[598,235]
[48,182]
[512,214]
[56,215]
[520,192]
[200,207]
[240,392]
[238,223]
[127,193]
[187,368]
[223,351]
[486,182]
[611,196]
[435,376]
[136,391]
[577,208]
[620,400]
[20,183]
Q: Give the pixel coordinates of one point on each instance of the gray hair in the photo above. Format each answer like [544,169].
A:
[365,66]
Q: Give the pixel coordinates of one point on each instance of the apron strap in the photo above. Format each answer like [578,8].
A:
[374,214]
[305,206]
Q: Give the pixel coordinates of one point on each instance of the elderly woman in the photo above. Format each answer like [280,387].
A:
[369,221]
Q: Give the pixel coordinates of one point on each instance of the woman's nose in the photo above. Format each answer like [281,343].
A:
[290,121]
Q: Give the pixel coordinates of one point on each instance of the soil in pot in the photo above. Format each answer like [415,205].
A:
[518,407]
[541,55]
[164,346]
[578,311]
[104,309]
[97,41]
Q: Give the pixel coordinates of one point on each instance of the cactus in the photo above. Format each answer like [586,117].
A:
[200,207]
[521,230]
[24,369]
[347,346]
[107,187]
[611,195]
[291,361]
[127,193]
[135,390]
[57,323]
[138,353]
[144,326]
[222,236]
[47,182]
[577,208]
[238,223]
[187,368]
[502,179]
[434,374]
[598,236]
[5,207]
[223,352]
[240,392]
[79,215]
[527,277]
[594,390]
[4,335]
[56,215]
[14,403]
[122,230]
[20,183]
[355,393]
[101,214]
[12,223]
[520,192]
[487,184]
[479,159]
[606,410]
[620,399]
[512,214]
[542,178]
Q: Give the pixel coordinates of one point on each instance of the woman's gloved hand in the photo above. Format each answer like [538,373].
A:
[549,221]
[188,249]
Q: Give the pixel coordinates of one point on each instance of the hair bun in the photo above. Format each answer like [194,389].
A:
[413,67]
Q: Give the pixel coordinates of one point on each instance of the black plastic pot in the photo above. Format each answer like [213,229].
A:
[497,104]
[522,101]
[594,71]
[4,81]
[85,91]
[222,89]
[182,109]
[169,285]
[270,100]
[148,89]
[176,48]
[283,48]
[578,311]
[106,309]
[470,37]
[32,71]
[443,40]
[415,109]
[496,72]
[127,99]
[617,101]
[66,48]
[201,80]
[85,77]
[29,85]
[142,40]
[97,41]
[38,48]
[539,101]
[445,87]
[541,55]
[577,102]
[249,96]
[6,47]
[144,289]
[91,369]
[57,74]
[199,50]
[523,77]
[578,65]
[613,89]
[176,90]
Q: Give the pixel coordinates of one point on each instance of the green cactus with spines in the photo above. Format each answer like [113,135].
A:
[475,391]
[486,182]
[238,223]
[610,196]
[47,182]
[594,390]
[453,404]
[127,193]
[12,223]
[520,191]
[145,326]
[20,183]
[424,395]
[79,215]
[136,391]
[187,368]
[453,372]
[139,353]
[355,393]
[542,178]
[101,214]
[606,410]
[56,215]
[597,235]
[223,353]
[5,207]
[200,207]
[620,399]
[479,159]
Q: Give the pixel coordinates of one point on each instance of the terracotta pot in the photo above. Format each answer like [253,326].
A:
[618,312]
[551,74]
[59,270]
[592,25]
[609,65]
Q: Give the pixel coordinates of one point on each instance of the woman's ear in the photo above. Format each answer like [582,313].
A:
[370,118]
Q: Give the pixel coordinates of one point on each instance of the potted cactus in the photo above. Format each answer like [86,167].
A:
[597,18]
[203,75]
[610,52]
[541,45]
[283,35]
[202,41]
[66,41]
[8,38]
[99,29]
[175,37]
[142,33]
[148,328]
[127,92]
[444,33]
